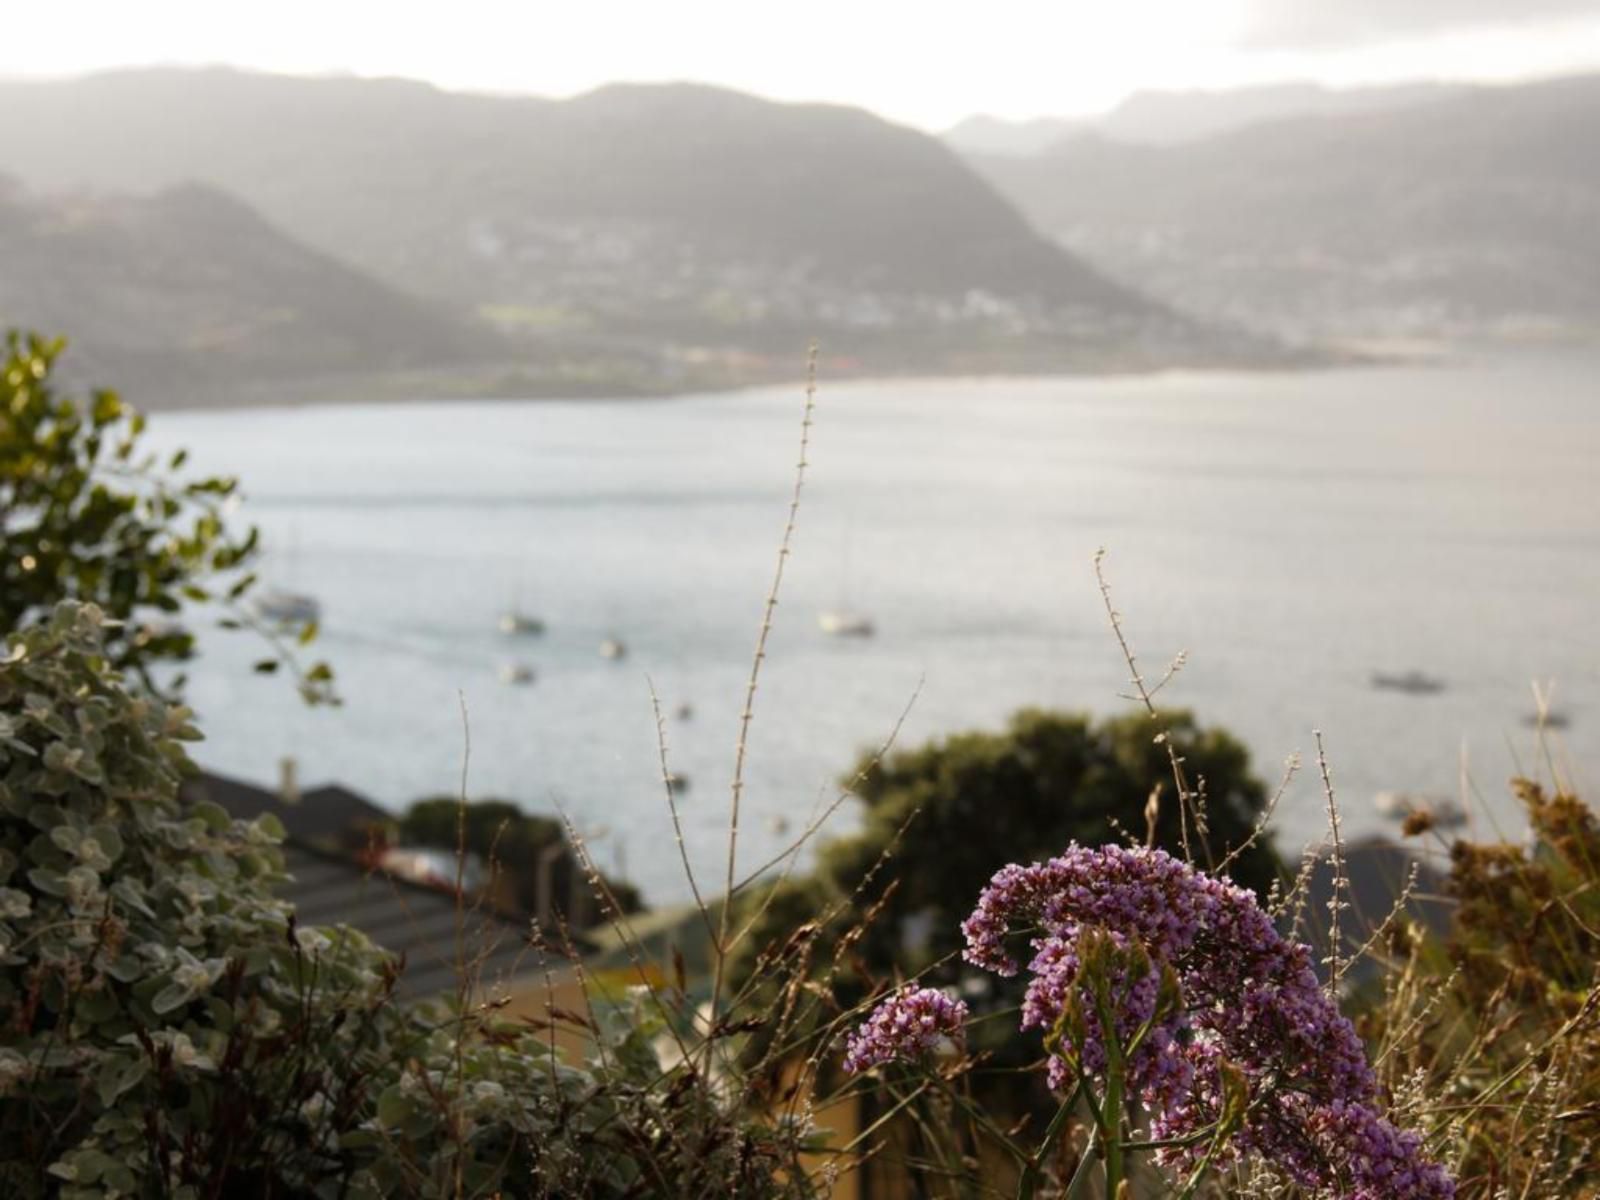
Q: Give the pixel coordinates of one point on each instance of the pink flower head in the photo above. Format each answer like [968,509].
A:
[1246,998]
[906,1025]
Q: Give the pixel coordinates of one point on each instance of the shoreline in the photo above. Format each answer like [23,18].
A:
[367,389]
[486,384]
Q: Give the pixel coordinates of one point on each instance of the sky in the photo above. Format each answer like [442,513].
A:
[927,63]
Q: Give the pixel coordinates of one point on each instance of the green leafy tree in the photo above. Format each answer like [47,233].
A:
[939,820]
[957,810]
[85,514]
[513,842]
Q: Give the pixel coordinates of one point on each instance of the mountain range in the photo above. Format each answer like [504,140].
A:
[1467,215]
[1166,118]
[207,235]
[635,238]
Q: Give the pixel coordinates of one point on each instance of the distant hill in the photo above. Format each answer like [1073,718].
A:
[1470,215]
[683,230]
[1164,118]
[985,134]
[189,289]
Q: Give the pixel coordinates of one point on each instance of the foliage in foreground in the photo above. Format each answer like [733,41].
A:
[86,515]
[888,901]
[1495,1037]
[170,1031]
[1190,1027]
[1183,1033]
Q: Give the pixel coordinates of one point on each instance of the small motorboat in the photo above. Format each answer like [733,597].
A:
[613,649]
[287,608]
[519,624]
[1555,719]
[516,674]
[1413,683]
[843,623]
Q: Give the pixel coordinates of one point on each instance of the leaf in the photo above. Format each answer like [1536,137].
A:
[107,408]
[216,818]
[266,666]
[116,1076]
[393,1108]
[308,634]
[169,998]
[50,882]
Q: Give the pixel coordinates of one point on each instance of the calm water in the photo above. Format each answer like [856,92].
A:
[1292,532]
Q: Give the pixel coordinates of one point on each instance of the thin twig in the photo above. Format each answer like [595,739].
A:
[745,717]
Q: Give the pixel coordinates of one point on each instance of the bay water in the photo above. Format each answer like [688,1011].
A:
[1294,533]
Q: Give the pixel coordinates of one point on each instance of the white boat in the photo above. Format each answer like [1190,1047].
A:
[518,624]
[516,674]
[287,608]
[843,623]
[613,649]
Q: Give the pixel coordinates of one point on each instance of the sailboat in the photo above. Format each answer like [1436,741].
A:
[845,621]
[516,674]
[284,606]
[516,623]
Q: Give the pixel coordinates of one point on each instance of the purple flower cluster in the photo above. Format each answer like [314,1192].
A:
[1382,1161]
[1249,999]
[907,1024]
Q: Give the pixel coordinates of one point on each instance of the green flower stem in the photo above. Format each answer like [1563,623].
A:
[1035,1166]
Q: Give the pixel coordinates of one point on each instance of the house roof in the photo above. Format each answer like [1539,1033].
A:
[1376,871]
[420,922]
[323,815]
[426,924]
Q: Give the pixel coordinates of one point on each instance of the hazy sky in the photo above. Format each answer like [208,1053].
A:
[927,62]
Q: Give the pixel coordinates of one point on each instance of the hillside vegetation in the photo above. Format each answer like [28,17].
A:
[186,287]
[670,234]
[1468,215]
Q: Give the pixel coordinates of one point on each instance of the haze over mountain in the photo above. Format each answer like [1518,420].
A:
[188,288]
[1161,118]
[1461,217]
[637,236]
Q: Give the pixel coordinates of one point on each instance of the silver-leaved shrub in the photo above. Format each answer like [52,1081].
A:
[167,1030]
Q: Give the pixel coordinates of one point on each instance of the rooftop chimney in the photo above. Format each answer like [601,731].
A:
[288,783]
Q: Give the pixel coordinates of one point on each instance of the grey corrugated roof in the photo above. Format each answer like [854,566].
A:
[323,814]
[327,887]
[411,919]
